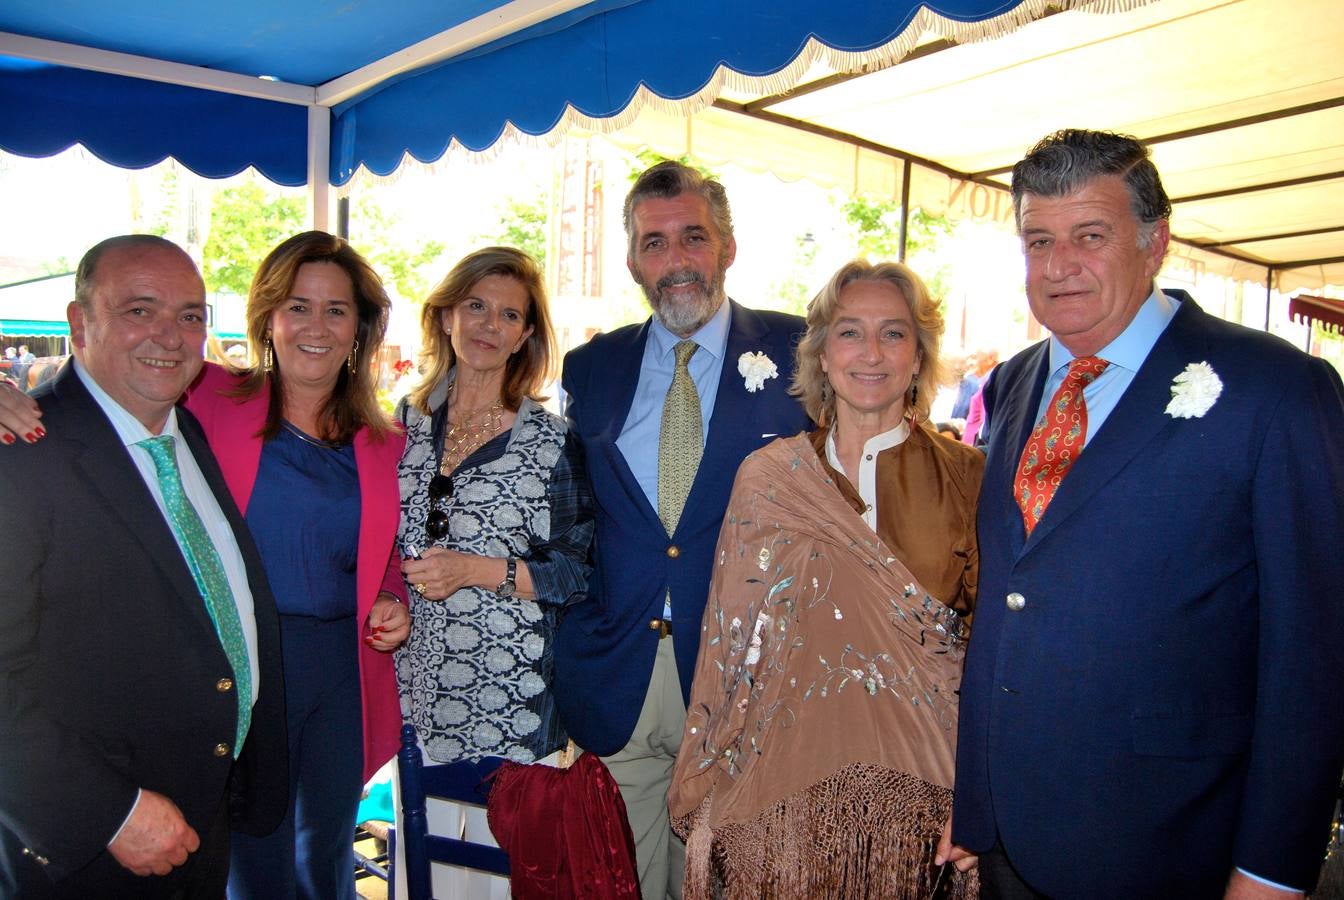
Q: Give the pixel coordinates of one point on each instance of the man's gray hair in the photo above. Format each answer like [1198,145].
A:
[1066,160]
[670,178]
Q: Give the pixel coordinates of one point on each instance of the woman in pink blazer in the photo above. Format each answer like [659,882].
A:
[311,460]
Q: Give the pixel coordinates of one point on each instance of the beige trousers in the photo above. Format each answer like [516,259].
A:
[643,770]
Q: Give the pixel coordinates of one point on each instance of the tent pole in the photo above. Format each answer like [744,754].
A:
[319,165]
[1269,292]
[905,206]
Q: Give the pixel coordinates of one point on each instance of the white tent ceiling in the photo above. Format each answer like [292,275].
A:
[1241,100]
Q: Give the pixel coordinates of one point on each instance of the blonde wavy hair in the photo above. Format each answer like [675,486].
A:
[810,383]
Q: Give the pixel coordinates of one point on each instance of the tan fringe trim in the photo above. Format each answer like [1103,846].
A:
[864,832]
[778,82]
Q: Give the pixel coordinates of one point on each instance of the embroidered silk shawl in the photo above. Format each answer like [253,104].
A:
[819,650]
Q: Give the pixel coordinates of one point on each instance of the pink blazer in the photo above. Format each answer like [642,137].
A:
[231,426]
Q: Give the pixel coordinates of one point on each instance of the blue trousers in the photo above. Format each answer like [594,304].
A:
[309,856]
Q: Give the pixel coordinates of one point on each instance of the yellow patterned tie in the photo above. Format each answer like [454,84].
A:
[681,442]
[206,567]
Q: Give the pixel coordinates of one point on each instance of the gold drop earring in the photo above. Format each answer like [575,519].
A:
[350,360]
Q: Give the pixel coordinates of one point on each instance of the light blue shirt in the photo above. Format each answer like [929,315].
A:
[638,442]
[1125,354]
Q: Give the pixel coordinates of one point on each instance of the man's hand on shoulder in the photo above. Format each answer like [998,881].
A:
[155,838]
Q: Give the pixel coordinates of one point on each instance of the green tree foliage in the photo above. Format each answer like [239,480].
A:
[244,225]
[522,224]
[877,224]
[61,265]
[406,270]
[647,158]
[161,218]
[796,289]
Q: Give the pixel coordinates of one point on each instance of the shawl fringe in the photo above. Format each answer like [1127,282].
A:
[864,832]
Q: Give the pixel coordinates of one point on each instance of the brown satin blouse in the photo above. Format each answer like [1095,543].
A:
[927,488]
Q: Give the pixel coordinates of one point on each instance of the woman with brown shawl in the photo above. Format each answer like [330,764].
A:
[817,758]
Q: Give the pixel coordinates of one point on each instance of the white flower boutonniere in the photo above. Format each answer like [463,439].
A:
[755,368]
[1194,391]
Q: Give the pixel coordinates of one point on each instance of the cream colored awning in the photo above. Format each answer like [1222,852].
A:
[1241,100]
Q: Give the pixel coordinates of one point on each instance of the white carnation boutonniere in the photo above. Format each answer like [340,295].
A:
[1194,391]
[755,368]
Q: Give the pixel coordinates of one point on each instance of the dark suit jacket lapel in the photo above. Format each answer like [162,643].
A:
[106,465]
[618,394]
[217,481]
[1014,416]
[1137,419]
[732,426]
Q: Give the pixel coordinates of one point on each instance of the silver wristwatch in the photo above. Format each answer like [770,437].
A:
[507,586]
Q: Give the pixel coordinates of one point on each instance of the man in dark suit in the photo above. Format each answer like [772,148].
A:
[650,417]
[123,705]
[1150,705]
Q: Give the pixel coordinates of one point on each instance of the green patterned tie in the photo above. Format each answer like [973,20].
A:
[203,560]
[682,440]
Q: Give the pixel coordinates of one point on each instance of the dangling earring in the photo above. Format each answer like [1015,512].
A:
[350,360]
[268,356]
[914,388]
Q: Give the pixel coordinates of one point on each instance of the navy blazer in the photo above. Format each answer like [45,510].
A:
[110,668]
[604,650]
[1165,706]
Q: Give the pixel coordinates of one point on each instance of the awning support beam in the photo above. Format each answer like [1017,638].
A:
[1310,232]
[1254,188]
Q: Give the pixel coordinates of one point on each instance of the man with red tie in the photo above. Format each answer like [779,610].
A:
[1150,704]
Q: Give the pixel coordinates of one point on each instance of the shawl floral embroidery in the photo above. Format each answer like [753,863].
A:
[812,627]
[818,751]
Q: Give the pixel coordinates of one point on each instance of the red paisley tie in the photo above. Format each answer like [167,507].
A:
[1055,442]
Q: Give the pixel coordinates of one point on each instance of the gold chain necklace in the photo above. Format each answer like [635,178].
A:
[464,436]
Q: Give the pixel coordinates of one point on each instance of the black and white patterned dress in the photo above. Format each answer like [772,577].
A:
[475,673]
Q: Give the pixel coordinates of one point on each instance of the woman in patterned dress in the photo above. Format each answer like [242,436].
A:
[495,502]
[817,757]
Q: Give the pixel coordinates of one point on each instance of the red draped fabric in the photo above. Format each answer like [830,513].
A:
[565,831]
[1327,313]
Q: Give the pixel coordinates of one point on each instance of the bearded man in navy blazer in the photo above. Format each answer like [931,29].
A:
[1150,706]
[125,752]
[625,655]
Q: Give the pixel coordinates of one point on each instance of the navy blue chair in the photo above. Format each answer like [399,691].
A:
[380,864]
[460,782]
